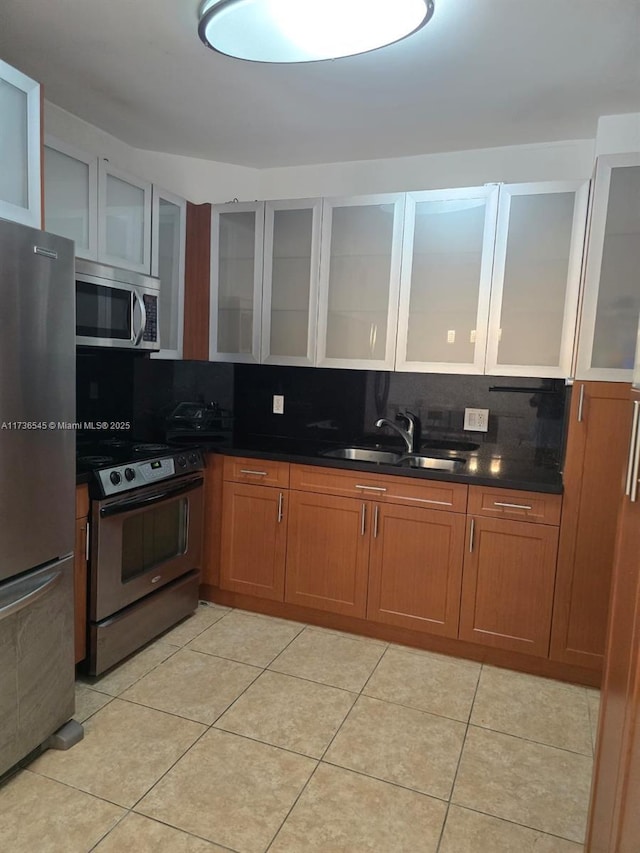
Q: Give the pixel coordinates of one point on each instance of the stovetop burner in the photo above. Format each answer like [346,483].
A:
[119,465]
[95,461]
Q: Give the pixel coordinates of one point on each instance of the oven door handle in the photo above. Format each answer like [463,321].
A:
[139,503]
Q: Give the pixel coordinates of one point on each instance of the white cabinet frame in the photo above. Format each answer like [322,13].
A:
[398,201]
[32,213]
[271,207]
[91,253]
[105,169]
[597,232]
[237,207]
[572,293]
[490,193]
[181,203]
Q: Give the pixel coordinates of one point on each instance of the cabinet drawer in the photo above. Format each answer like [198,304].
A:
[511,503]
[265,472]
[383,488]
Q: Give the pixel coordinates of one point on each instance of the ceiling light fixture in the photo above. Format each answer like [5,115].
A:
[307,30]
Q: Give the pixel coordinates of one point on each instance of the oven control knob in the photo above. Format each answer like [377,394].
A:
[115,477]
[129,474]
[182,462]
[193,458]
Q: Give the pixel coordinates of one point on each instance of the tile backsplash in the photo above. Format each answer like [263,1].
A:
[526,416]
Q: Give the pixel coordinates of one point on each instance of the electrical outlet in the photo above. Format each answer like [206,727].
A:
[451,336]
[476,420]
[278,404]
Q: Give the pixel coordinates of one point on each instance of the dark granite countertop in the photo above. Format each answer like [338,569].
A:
[481,468]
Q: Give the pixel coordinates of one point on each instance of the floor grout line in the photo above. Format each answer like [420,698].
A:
[322,760]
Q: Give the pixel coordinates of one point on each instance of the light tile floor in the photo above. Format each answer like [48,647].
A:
[244,733]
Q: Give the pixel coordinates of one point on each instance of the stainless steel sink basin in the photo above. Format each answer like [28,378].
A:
[433,462]
[364,454]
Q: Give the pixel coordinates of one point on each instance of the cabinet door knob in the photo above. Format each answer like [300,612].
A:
[363,520]
[471,535]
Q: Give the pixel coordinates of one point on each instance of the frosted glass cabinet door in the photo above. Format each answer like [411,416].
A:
[360,281]
[169,221]
[290,281]
[237,234]
[19,147]
[124,219]
[536,279]
[611,304]
[446,280]
[71,196]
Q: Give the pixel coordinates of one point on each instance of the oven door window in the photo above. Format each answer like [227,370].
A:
[152,537]
[103,312]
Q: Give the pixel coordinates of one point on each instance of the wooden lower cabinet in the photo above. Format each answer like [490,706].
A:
[254,540]
[415,568]
[328,552]
[597,445]
[614,820]
[508,582]
[80,573]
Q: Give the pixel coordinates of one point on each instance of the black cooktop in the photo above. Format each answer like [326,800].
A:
[91,454]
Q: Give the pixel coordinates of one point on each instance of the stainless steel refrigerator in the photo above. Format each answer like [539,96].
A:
[37,487]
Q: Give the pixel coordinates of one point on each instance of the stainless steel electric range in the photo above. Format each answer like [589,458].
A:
[145,543]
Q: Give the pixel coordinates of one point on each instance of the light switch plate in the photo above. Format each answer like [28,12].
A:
[278,404]
[476,420]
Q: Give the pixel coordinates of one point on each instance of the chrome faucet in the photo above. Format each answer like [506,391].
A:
[410,434]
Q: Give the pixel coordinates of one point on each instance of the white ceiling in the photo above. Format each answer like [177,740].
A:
[482,73]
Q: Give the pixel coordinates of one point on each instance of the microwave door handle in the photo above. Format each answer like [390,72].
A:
[143,318]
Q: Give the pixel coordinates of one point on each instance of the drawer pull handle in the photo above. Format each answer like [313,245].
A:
[371,488]
[363,520]
[439,503]
[280,502]
[512,506]
[254,473]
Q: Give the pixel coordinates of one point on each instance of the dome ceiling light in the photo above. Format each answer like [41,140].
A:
[307,30]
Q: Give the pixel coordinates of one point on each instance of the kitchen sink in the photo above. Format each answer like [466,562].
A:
[433,462]
[364,454]
[388,457]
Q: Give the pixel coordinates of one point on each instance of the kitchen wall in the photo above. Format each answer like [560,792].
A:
[325,406]
[207,181]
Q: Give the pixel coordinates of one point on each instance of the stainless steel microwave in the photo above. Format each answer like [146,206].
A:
[116,308]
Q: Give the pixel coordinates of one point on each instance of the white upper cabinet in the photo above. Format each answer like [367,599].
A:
[446,280]
[611,303]
[237,243]
[290,281]
[20,190]
[536,279]
[360,281]
[71,196]
[124,219]
[169,225]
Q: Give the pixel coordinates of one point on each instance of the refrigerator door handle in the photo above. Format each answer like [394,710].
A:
[143,317]
[26,594]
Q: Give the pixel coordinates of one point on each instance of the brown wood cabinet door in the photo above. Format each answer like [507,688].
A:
[614,822]
[415,569]
[596,453]
[254,540]
[328,553]
[80,589]
[507,584]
